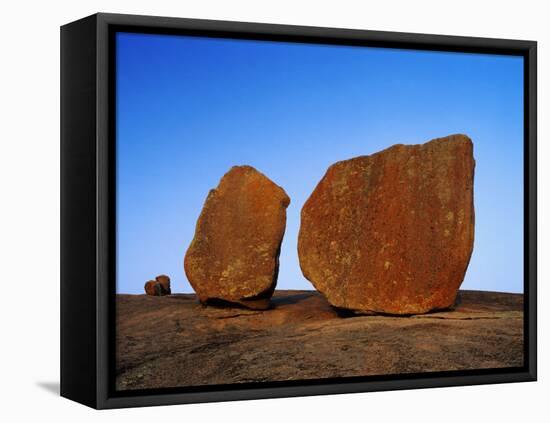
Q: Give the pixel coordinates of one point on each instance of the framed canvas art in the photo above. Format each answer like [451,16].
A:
[256,210]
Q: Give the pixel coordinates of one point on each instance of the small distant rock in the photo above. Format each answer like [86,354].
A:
[234,255]
[392,232]
[165,282]
[159,287]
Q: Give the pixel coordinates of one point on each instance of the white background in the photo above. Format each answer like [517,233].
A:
[29,214]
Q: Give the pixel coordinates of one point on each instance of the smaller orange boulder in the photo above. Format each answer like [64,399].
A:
[234,255]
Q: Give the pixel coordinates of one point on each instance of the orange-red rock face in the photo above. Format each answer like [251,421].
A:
[234,255]
[392,232]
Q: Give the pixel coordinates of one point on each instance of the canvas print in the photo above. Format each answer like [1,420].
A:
[296,212]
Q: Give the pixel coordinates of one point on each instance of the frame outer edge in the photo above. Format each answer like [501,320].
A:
[313,31]
[78,213]
[531,121]
[105,224]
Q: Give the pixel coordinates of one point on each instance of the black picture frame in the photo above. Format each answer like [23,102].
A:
[88,199]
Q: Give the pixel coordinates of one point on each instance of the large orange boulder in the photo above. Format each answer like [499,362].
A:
[392,232]
[234,255]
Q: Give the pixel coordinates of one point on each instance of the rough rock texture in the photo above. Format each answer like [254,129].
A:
[234,256]
[303,337]
[392,232]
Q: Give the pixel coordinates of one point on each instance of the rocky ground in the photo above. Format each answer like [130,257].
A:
[174,341]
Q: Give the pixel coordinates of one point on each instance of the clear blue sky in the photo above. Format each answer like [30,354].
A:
[189,108]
